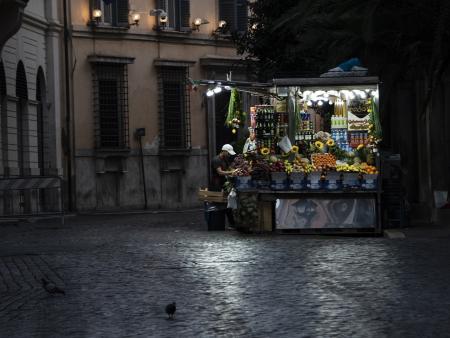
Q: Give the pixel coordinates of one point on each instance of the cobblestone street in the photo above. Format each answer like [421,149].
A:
[119,272]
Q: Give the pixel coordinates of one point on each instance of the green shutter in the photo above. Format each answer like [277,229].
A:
[185,15]
[161,4]
[227,13]
[241,15]
[122,10]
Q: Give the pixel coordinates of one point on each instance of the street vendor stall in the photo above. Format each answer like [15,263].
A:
[316,165]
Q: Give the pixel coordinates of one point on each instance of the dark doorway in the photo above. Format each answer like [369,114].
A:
[223,133]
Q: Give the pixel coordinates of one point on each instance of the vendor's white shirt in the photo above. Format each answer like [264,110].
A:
[249,145]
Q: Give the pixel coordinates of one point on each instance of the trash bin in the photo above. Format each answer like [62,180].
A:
[215,217]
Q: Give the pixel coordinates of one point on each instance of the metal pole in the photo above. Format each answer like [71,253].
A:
[68,113]
[143,171]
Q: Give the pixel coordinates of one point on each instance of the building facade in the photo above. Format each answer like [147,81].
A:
[31,98]
[141,133]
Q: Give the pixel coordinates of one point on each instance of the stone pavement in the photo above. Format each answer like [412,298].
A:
[119,272]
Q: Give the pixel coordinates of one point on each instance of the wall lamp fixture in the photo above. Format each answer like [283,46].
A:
[95,17]
[135,17]
[160,14]
[198,22]
[222,28]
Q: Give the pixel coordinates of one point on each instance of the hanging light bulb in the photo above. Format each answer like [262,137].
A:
[227,88]
[217,90]
[320,103]
[209,93]
[309,103]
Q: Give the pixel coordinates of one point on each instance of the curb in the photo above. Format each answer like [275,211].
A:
[394,234]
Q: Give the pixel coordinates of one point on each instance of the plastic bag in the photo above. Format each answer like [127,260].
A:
[285,144]
[232,199]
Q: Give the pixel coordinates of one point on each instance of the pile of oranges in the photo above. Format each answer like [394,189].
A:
[323,161]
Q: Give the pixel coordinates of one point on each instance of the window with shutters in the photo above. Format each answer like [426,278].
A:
[178,14]
[3,120]
[110,105]
[174,110]
[235,13]
[114,12]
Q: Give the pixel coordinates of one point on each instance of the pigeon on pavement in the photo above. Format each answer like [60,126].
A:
[51,288]
[170,309]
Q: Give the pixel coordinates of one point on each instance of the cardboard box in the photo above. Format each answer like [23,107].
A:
[212,196]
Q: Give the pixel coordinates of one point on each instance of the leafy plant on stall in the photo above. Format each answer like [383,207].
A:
[235,116]
[337,152]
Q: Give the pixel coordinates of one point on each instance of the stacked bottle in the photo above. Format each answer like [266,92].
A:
[339,132]
[305,128]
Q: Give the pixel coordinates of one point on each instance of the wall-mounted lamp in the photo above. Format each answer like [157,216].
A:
[96,16]
[198,22]
[135,17]
[222,24]
[161,14]
[222,28]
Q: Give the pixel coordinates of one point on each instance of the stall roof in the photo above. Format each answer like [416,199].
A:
[327,81]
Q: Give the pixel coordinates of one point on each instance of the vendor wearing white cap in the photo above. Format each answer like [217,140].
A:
[220,166]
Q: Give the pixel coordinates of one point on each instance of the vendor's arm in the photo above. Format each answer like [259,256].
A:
[222,172]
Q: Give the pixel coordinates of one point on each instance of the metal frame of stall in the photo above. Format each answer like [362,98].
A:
[267,199]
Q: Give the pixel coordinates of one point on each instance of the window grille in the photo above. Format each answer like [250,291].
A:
[235,13]
[178,13]
[110,105]
[174,108]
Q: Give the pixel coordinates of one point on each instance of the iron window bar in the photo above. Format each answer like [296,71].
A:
[110,91]
[174,108]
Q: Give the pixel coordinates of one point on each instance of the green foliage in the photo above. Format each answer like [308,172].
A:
[316,35]
[338,152]
[234,109]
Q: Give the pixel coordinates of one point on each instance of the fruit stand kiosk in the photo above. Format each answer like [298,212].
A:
[316,165]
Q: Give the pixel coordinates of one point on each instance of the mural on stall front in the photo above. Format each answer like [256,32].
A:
[325,213]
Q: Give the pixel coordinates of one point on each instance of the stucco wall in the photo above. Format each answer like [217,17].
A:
[172,180]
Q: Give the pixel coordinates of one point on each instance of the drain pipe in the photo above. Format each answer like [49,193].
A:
[139,133]
[68,135]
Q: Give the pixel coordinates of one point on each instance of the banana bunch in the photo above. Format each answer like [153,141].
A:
[348,168]
[309,168]
[288,167]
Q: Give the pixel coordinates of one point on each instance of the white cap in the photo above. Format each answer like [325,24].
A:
[229,148]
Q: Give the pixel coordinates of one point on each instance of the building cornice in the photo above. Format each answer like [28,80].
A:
[216,61]
[41,23]
[121,34]
[94,58]
[173,63]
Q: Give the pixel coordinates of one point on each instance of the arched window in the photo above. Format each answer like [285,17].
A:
[42,133]
[22,107]
[3,121]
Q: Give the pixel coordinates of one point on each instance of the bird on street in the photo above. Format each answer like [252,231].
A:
[170,309]
[51,288]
